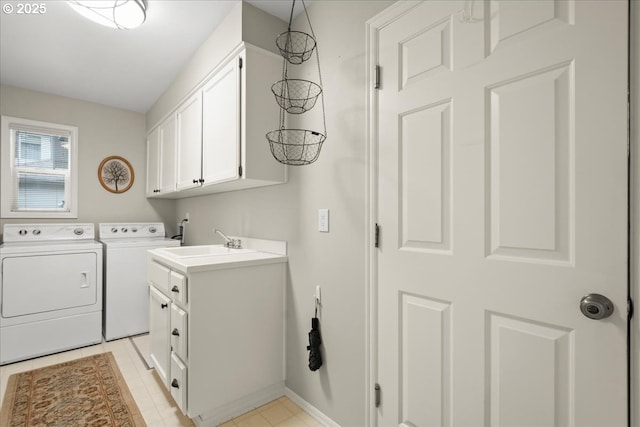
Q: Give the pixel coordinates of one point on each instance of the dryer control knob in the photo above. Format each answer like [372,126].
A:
[124,229]
[36,232]
[22,232]
[152,230]
[134,229]
[114,230]
[78,231]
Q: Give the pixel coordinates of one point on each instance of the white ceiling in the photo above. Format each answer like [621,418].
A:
[62,53]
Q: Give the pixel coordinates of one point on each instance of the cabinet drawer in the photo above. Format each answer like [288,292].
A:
[178,287]
[179,382]
[179,331]
[158,275]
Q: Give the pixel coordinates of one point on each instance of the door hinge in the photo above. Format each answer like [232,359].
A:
[377,395]
[240,170]
[376,84]
[377,236]
[240,62]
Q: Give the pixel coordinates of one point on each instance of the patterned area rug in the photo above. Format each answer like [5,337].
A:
[83,392]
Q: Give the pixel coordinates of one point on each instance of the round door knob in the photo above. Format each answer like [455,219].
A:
[596,306]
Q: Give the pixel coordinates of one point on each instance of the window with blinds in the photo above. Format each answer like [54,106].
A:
[38,169]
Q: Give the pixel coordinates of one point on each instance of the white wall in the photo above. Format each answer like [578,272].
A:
[244,23]
[335,261]
[102,131]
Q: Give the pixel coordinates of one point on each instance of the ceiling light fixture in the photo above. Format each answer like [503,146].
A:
[121,14]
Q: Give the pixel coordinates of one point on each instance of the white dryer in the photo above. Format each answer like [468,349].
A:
[126,292]
[50,289]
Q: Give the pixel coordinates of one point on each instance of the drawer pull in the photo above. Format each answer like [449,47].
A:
[175,289]
[164,305]
[174,383]
[175,332]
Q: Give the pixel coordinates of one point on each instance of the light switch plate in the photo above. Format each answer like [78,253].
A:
[323,220]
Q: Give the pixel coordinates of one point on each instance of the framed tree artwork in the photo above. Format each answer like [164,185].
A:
[115,174]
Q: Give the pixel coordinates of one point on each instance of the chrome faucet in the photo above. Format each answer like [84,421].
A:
[229,242]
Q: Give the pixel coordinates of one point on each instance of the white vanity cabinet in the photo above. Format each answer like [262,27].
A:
[224,341]
[161,161]
[221,127]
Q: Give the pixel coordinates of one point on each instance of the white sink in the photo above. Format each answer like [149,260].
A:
[202,251]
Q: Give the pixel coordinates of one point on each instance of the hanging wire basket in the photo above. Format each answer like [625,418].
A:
[296,46]
[296,96]
[295,147]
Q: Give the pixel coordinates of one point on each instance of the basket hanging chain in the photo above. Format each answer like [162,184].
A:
[293,4]
[324,115]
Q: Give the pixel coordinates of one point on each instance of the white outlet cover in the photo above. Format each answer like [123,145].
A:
[323,220]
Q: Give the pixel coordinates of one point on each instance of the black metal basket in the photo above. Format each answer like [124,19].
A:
[295,46]
[296,96]
[295,147]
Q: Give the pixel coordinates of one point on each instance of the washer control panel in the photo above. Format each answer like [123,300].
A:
[130,230]
[47,232]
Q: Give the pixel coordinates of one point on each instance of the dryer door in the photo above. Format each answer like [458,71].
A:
[41,283]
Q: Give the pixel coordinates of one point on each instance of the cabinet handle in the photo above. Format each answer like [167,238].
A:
[201,180]
[195,181]
[164,305]
[175,289]
[175,332]
[174,383]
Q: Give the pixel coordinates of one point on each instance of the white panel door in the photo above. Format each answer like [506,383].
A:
[189,143]
[501,195]
[221,125]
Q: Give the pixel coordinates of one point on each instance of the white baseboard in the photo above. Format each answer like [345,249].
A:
[310,409]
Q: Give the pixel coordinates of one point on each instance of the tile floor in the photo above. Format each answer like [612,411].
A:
[152,398]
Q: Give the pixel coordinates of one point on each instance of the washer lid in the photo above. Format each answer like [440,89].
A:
[45,247]
[150,243]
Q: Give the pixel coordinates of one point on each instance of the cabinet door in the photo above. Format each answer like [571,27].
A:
[189,143]
[179,384]
[179,331]
[153,160]
[167,172]
[221,125]
[159,323]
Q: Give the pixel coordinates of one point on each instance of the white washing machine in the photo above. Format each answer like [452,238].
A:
[50,289]
[126,292]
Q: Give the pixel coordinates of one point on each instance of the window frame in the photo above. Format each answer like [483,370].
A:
[9,188]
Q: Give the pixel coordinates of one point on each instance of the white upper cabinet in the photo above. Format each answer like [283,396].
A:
[189,144]
[161,160]
[153,163]
[221,127]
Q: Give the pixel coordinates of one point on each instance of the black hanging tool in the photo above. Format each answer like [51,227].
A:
[315,357]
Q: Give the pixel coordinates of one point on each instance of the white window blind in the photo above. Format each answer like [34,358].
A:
[38,173]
